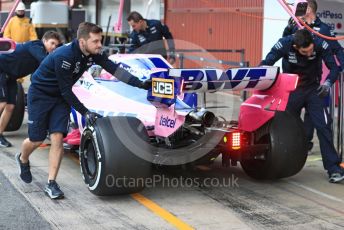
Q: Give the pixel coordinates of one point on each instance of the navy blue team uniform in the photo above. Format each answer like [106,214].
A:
[337,50]
[50,94]
[23,61]
[151,41]
[324,29]
[306,95]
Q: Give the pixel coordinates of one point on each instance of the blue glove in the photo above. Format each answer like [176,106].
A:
[146,84]
[324,89]
[291,23]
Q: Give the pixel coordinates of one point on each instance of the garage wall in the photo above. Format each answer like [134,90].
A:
[218,24]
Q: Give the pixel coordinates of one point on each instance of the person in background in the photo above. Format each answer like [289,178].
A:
[316,24]
[302,54]
[23,61]
[19,28]
[147,37]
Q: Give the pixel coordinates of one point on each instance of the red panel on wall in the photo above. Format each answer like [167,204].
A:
[218,24]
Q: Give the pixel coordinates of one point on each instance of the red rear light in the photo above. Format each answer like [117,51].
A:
[235,140]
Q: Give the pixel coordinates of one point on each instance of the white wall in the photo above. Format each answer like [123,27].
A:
[275,20]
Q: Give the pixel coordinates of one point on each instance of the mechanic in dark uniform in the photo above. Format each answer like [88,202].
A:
[23,61]
[147,37]
[316,24]
[303,55]
[50,98]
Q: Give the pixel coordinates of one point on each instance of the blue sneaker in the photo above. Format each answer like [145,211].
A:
[52,189]
[336,177]
[24,169]
[3,142]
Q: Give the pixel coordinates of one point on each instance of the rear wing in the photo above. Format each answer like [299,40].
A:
[167,85]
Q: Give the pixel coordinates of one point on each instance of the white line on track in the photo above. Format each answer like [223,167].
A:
[317,192]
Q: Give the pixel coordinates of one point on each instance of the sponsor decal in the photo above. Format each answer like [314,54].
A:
[86,84]
[66,65]
[153,30]
[167,122]
[292,57]
[327,14]
[142,38]
[215,80]
[136,70]
[77,67]
[163,88]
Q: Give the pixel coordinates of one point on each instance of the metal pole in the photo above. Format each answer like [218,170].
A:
[341,115]
[339,111]
[338,114]
[242,58]
[332,108]
[98,9]
[181,60]
[107,31]
[118,24]
[244,95]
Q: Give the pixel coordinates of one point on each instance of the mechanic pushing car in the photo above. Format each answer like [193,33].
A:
[147,37]
[50,98]
[302,55]
[315,23]
[23,61]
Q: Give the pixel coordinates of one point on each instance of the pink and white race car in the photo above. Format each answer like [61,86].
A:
[164,127]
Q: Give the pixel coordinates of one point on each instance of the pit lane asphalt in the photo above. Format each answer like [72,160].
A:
[306,200]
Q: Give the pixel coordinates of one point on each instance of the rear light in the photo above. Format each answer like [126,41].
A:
[235,140]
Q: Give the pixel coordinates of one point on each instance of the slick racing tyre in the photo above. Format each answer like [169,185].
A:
[287,151]
[18,114]
[108,165]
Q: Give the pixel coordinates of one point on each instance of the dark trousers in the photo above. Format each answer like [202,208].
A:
[307,98]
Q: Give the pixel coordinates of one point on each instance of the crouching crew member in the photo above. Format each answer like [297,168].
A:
[302,54]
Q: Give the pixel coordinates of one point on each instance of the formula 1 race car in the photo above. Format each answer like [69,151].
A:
[162,126]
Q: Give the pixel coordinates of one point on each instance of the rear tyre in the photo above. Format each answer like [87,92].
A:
[287,152]
[18,114]
[108,165]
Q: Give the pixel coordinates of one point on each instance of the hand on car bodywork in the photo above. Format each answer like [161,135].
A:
[324,89]
[147,84]
[91,118]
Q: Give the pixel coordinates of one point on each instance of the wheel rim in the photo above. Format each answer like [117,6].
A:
[90,159]
[259,161]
